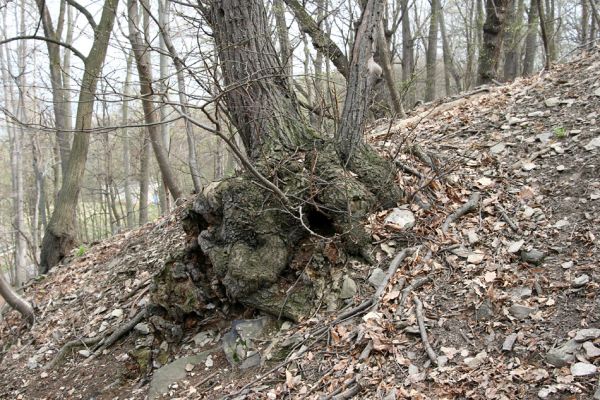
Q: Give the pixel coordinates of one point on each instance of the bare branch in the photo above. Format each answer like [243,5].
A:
[45,39]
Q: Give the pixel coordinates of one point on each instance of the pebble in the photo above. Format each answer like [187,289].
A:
[584,335]
[497,148]
[560,168]
[533,256]
[563,355]
[142,328]
[377,277]
[402,218]
[521,311]
[567,265]
[85,353]
[591,351]
[581,281]
[583,369]
[348,288]
[509,342]
[552,102]
[514,247]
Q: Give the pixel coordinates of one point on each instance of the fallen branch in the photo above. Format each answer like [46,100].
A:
[469,206]
[421,321]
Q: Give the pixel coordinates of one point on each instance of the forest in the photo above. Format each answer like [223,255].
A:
[287,158]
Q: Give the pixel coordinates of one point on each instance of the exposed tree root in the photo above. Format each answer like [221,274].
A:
[98,340]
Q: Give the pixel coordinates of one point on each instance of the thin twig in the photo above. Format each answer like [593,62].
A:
[421,321]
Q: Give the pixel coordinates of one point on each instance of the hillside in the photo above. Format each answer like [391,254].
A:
[492,294]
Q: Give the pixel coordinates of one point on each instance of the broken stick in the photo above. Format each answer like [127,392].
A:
[469,206]
[421,321]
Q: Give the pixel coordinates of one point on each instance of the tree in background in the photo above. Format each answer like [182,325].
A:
[491,50]
[59,237]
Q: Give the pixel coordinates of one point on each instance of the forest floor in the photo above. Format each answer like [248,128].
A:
[507,293]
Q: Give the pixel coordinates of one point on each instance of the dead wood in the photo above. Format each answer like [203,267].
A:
[469,206]
[423,330]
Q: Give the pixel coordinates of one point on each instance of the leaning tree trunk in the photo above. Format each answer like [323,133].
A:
[16,301]
[252,228]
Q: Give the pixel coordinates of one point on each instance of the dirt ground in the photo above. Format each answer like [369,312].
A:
[502,287]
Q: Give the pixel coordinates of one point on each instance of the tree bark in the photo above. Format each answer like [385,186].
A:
[142,57]
[60,233]
[531,39]
[513,33]
[431,56]
[16,301]
[144,177]
[126,143]
[491,50]
[363,74]
[408,64]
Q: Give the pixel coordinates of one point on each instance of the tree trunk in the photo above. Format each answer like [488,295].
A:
[513,40]
[144,177]
[449,68]
[408,64]
[16,301]
[249,234]
[584,25]
[491,50]
[431,56]
[142,58]
[60,233]
[59,94]
[545,38]
[531,39]
[126,143]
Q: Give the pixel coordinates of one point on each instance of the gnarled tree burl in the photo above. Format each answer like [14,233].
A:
[251,238]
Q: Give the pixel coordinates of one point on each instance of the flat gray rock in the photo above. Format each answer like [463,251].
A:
[377,277]
[521,311]
[173,372]
[591,351]
[348,288]
[563,355]
[533,256]
[583,335]
[498,148]
[583,369]
[402,218]
[580,281]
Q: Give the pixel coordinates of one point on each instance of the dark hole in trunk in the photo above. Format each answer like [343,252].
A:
[320,223]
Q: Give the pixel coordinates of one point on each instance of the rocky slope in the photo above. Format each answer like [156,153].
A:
[495,298]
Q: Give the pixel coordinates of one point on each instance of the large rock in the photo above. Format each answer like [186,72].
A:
[173,372]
